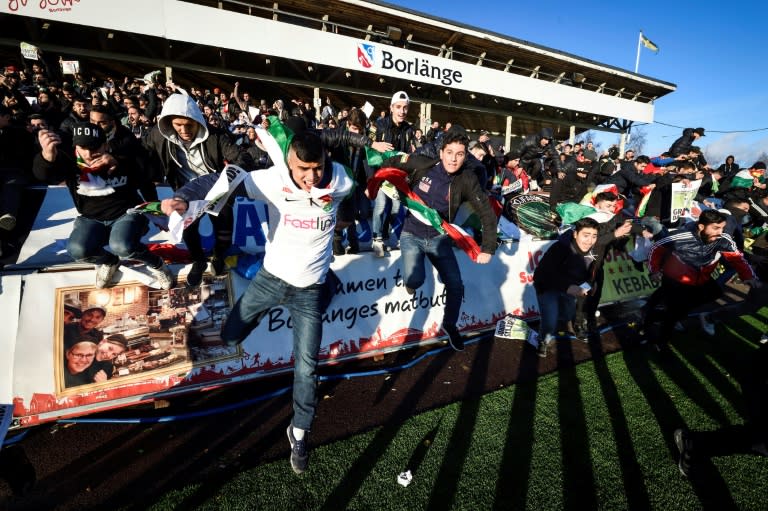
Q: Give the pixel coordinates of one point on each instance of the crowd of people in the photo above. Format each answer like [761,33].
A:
[111,141]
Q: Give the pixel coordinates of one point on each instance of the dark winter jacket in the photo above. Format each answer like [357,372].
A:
[683,144]
[532,149]
[464,187]
[127,180]
[728,170]
[401,137]
[563,265]
[628,178]
[573,187]
[432,150]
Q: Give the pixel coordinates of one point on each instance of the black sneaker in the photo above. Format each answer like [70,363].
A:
[338,248]
[299,454]
[195,275]
[685,446]
[454,337]
[218,266]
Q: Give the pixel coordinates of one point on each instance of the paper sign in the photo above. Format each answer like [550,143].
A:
[367,109]
[29,51]
[70,67]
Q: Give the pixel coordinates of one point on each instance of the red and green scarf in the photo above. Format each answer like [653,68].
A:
[421,211]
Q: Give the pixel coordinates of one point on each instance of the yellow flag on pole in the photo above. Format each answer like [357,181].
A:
[648,43]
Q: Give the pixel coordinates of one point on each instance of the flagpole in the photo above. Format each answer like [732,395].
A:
[637,59]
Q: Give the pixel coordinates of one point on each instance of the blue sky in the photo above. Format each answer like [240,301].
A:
[713,51]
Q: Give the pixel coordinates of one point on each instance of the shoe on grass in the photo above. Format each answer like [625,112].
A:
[104,274]
[299,452]
[706,325]
[195,275]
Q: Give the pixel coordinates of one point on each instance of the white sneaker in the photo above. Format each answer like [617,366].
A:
[544,344]
[104,274]
[378,248]
[163,276]
[709,328]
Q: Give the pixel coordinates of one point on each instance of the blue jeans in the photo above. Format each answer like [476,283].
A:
[86,243]
[303,303]
[554,306]
[380,215]
[439,251]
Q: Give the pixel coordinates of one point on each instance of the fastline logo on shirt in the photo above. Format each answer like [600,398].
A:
[320,223]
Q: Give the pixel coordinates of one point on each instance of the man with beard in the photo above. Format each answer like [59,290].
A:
[103,188]
[683,262]
[77,115]
[121,143]
[738,211]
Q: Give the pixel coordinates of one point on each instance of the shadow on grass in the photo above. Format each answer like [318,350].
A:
[711,489]
[444,493]
[699,355]
[204,450]
[518,449]
[164,456]
[631,473]
[356,474]
[578,476]
[682,376]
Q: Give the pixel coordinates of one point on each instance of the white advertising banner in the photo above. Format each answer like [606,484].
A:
[170,339]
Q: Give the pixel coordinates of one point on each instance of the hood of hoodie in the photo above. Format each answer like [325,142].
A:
[181,105]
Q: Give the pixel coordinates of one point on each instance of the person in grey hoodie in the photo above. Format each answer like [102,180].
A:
[182,147]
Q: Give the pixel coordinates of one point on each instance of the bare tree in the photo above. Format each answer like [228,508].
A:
[637,140]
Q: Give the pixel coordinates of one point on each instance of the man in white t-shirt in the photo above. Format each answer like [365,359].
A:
[302,199]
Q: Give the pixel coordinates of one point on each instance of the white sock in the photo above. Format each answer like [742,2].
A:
[298,434]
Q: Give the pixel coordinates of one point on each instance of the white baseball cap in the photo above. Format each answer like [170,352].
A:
[399,96]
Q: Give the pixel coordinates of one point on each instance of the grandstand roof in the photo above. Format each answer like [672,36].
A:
[309,35]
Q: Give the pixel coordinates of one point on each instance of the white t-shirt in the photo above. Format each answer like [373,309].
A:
[298,248]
